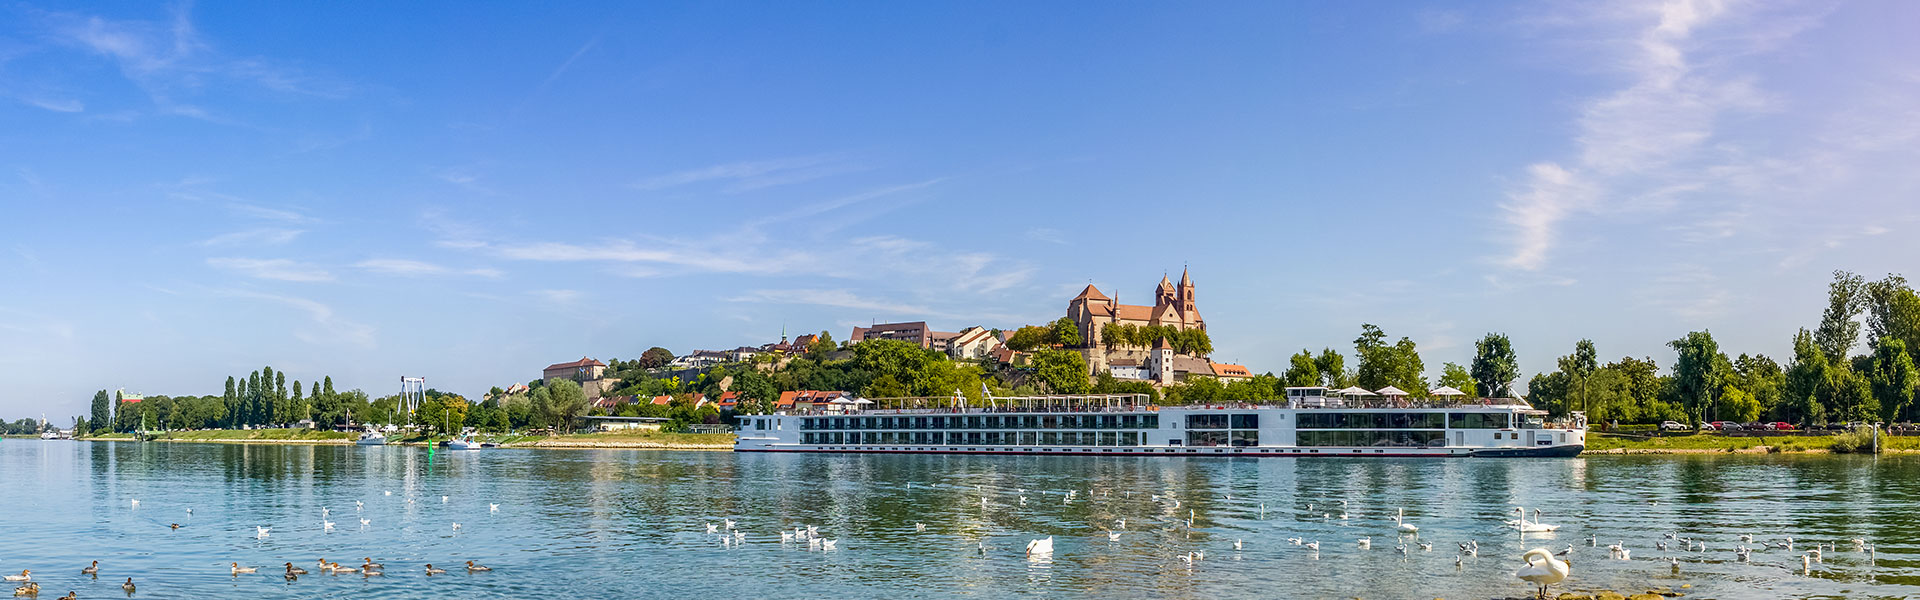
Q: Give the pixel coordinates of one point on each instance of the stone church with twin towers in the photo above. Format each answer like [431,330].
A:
[1173,306]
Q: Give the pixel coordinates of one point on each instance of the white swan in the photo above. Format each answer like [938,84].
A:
[1526,527]
[1405,527]
[1040,546]
[711,528]
[1542,569]
[1366,543]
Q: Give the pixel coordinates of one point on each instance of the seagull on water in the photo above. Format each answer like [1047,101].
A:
[261,532]
[493,507]
[1113,536]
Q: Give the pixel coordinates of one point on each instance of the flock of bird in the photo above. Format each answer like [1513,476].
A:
[1538,566]
[368,568]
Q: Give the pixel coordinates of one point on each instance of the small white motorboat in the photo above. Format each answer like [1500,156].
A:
[371,438]
[465,442]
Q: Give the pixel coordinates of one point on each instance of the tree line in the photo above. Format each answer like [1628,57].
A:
[1824,381]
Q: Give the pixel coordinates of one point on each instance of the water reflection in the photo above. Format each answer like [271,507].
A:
[631,524]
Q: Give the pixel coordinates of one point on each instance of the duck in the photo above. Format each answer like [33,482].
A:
[25,575]
[128,586]
[1040,546]
[432,570]
[1542,569]
[30,589]
[474,568]
[370,565]
[93,569]
[173,525]
[339,569]
[70,596]
[238,570]
[293,570]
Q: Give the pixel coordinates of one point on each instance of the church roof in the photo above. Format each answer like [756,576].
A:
[1163,344]
[1185,281]
[1166,284]
[1133,312]
[1091,293]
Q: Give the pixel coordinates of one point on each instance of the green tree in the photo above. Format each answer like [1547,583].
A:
[1301,370]
[231,402]
[1893,311]
[1457,377]
[566,402]
[1494,366]
[1333,368]
[755,386]
[1580,366]
[822,344]
[1066,333]
[299,403]
[1064,371]
[103,410]
[885,386]
[1737,405]
[655,358]
[1807,378]
[1029,338]
[1761,377]
[1694,376]
[1846,297]
[1893,378]
[1383,365]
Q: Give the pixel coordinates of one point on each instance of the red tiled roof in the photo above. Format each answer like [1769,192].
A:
[1230,370]
[1091,293]
[662,400]
[583,362]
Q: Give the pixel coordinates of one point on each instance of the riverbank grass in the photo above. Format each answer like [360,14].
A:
[1602,442]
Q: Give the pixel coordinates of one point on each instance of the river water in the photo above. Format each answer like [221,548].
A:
[632,524]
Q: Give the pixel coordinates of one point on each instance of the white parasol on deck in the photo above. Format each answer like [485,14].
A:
[1445,391]
[1391,391]
[1355,391]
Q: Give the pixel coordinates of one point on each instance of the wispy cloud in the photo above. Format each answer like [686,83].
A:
[558,297]
[269,213]
[1642,146]
[1047,235]
[66,105]
[752,175]
[279,269]
[173,64]
[402,266]
[837,298]
[330,328]
[253,237]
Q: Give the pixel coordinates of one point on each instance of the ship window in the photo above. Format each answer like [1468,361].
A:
[1129,421]
[1208,421]
[1249,421]
[1476,420]
[1129,438]
[1150,421]
[993,422]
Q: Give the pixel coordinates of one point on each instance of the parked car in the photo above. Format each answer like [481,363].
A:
[1781,426]
[1725,426]
[1757,426]
[1672,426]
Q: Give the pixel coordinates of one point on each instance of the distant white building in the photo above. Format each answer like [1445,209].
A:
[699,359]
[973,343]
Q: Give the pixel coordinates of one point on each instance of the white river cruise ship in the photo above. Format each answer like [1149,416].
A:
[1310,423]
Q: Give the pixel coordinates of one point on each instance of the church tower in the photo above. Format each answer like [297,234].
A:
[1164,295]
[1185,296]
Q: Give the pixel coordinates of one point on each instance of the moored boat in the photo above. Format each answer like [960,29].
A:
[1311,422]
[463,442]
[371,438]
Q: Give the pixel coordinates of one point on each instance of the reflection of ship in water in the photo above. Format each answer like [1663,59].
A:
[1311,422]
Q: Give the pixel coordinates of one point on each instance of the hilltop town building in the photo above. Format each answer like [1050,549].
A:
[1173,306]
[589,373]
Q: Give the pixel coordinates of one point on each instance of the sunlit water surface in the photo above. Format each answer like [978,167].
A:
[629,524]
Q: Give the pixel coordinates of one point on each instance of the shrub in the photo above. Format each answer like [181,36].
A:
[1859,440]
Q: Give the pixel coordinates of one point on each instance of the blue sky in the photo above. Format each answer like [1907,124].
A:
[468,192]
